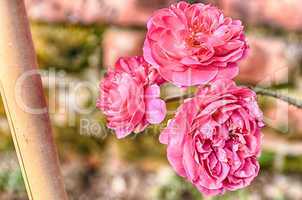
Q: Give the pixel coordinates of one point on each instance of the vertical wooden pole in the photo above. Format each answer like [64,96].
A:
[25,105]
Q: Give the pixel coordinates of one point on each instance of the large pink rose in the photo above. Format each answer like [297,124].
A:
[215,137]
[129,96]
[194,44]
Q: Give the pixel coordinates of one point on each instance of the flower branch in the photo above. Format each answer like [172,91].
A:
[259,90]
[178,39]
[277,95]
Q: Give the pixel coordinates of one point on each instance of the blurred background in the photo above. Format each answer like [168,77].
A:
[77,40]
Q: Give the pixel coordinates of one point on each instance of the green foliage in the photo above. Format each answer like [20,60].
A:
[143,145]
[66,47]
[4,176]
[15,182]
[266,160]
[176,188]
[12,181]
[239,194]
[293,164]
[2,111]
[6,143]
[69,139]
[192,1]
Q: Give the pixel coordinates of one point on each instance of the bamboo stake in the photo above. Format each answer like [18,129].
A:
[25,105]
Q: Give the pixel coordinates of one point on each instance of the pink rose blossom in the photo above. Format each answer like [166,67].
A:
[214,139]
[129,96]
[194,44]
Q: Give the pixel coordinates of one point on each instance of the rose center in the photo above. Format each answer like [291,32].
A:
[198,34]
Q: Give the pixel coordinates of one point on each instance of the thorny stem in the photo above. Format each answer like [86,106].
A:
[176,98]
[278,95]
[259,90]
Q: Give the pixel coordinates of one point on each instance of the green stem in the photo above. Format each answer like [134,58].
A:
[277,95]
[259,90]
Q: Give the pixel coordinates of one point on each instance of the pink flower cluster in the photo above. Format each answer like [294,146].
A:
[129,96]
[214,139]
[217,145]
[194,44]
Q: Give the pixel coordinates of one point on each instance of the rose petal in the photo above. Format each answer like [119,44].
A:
[156,111]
